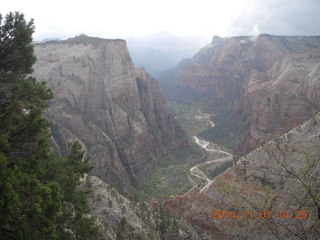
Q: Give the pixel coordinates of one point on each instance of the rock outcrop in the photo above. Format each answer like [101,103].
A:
[117,217]
[267,84]
[282,175]
[116,111]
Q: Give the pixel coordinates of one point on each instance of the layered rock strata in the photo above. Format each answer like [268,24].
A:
[116,111]
[269,84]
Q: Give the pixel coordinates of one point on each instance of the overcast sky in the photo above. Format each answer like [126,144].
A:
[138,19]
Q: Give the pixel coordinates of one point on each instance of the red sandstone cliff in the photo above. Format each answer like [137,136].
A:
[272,82]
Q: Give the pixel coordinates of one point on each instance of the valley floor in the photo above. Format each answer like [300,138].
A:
[196,164]
[218,162]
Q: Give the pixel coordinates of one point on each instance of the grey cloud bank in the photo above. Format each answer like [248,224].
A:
[278,17]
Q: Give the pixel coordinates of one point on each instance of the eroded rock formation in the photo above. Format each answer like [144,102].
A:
[120,218]
[282,175]
[115,110]
[269,84]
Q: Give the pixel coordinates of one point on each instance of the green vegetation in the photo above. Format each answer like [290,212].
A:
[229,129]
[39,198]
[190,117]
[172,176]
[214,169]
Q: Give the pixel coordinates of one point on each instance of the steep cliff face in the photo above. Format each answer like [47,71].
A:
[282,175]
[268,83]
[115,110]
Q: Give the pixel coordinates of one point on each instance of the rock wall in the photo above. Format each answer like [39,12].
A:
[282,175]
[120,218]
[269,83]
[115,110]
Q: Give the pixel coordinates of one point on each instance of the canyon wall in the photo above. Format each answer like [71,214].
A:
[116,111]
[281,175]
[265,85]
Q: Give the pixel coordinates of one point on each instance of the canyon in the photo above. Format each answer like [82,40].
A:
[224,146]
[263,94]
[259,94]
[258,87]
[115,110]
[281,175]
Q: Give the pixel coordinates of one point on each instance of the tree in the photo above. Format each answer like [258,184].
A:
[38,189]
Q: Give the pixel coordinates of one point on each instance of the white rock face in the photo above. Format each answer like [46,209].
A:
[113,109]
[110,208]
[120,218]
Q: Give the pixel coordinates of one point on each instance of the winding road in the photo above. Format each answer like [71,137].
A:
[195,170]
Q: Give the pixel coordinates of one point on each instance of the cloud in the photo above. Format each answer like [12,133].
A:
[256,29]
[202,18]
[166,41]
[285,17]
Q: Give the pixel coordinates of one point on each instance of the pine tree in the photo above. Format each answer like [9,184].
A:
[38,189]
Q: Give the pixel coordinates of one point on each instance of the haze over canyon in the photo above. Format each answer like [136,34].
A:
[134,120]
[252,91]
